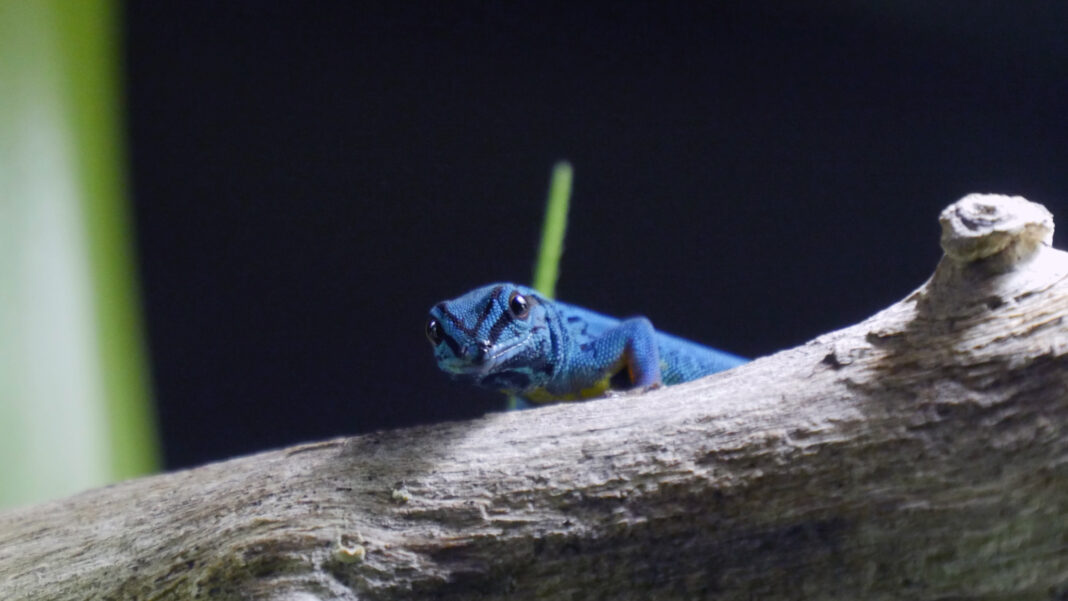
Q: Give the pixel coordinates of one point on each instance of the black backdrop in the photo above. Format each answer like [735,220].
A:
[308,178]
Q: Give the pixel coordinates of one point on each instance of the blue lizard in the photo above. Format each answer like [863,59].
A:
[510,338]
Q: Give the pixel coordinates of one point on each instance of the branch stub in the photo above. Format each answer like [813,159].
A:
[982,225]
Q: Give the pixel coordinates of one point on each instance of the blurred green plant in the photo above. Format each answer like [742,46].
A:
[75,410]
[547,268]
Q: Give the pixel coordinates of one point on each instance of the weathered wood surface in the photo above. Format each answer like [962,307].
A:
[921,454]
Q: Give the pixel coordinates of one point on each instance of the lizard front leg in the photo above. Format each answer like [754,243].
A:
[631,345]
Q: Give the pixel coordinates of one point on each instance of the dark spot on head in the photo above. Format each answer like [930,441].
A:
[498,326]
[452,344]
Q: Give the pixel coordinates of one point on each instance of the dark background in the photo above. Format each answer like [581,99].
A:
[309,178]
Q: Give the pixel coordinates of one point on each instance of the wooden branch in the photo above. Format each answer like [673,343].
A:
[921,454]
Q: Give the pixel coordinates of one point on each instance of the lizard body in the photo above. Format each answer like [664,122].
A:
[510,338]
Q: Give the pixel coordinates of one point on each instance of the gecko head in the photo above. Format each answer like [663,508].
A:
[496,337]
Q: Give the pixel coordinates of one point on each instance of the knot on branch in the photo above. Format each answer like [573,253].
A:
[998,248]
[979,226]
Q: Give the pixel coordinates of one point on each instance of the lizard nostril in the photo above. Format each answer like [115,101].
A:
[476,351]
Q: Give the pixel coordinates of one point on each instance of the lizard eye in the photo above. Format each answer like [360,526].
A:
[434,332]
[518,305]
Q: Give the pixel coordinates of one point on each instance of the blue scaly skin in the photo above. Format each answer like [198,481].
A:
[510,338]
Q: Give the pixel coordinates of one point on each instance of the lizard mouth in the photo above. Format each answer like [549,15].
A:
[464,367]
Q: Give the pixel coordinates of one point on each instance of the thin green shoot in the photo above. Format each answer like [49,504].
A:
[547,268]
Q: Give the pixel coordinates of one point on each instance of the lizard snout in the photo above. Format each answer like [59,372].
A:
[476,352]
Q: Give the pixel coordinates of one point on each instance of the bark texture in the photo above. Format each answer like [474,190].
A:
[921,454]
